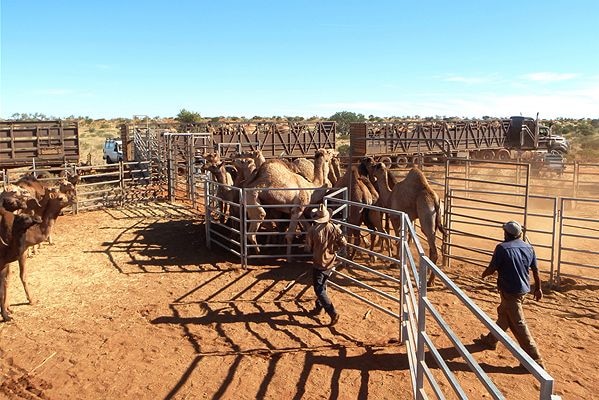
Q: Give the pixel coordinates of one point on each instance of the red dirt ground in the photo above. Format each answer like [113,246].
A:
[132,305]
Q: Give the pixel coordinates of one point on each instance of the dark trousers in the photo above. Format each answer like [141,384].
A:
[319,279]
[510,315]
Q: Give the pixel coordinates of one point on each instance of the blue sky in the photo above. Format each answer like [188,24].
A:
[110,59]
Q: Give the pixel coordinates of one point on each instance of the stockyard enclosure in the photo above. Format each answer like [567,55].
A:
[152,290]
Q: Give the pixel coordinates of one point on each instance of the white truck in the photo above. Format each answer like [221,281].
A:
[113,151]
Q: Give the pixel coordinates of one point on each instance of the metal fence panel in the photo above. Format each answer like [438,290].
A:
[578,239]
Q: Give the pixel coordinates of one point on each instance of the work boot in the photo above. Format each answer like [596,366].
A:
[334,319]
[540,362]
[483,341]
[316,310]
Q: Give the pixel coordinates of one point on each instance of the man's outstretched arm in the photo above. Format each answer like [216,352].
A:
[538,293]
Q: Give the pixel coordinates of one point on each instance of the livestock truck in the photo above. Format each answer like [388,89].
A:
[38,143]
[146,141]
[399,143]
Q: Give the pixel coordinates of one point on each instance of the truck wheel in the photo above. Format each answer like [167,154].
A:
[488,155]
[401,162]
[503,155]
[386,161]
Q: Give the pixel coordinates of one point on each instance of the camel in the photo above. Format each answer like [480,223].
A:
[57,200]
[414,196]
[305,168]
[335,168]
[258,157]
[222,176]
[361,190]
[385,183]
[278,174]
[245,167]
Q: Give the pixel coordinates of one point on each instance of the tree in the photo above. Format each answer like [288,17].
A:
[344,118]
[188,117]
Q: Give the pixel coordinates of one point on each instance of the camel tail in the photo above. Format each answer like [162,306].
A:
[438,222]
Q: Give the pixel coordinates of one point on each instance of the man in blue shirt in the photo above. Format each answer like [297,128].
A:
[512,259]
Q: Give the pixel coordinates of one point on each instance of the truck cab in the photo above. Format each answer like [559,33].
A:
[553,143]
[113,151]
[526,133]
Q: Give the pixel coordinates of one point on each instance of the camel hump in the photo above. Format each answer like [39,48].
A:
[416,177]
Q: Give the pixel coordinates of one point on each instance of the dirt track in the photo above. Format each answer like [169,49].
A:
[132,305]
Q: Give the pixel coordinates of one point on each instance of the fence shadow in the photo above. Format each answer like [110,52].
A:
[165,246]
[245,315]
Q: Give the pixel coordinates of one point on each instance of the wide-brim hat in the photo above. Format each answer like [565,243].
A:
[321,214]
[513,228]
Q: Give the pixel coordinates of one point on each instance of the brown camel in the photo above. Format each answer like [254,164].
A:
[245,168]
[278,174]
[305,167]
[258,157]
[414,196]
[222,176]
[57,200]
[385,184]
[335,169]
[361,190]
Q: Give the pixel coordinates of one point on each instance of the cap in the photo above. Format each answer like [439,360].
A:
[513,228]
[321,215]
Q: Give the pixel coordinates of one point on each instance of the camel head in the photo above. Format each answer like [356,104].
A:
[333,152]
[212,158]
[366,165]
[368,161]
[214,168]
[212,161]
[67,189]
[322,153]
[379,171]
[60,199]
[245,164]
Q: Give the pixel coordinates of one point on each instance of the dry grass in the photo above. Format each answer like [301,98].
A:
[92,136]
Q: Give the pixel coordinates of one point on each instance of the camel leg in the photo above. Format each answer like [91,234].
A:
[427,215]
[4,310]
[23,274]
[296,214]
[377,221]
[355,218]
[50,241]
[396,223]
[257,214]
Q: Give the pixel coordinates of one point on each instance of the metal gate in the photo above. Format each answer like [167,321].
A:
[486,194]
[184,152]
[578,239]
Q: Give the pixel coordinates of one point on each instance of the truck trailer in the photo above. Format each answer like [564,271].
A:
[275,139]
[40,143]
[399,143]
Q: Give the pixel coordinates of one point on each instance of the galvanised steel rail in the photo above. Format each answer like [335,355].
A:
[584,232]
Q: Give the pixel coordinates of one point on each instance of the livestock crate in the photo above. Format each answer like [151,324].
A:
[38,143]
